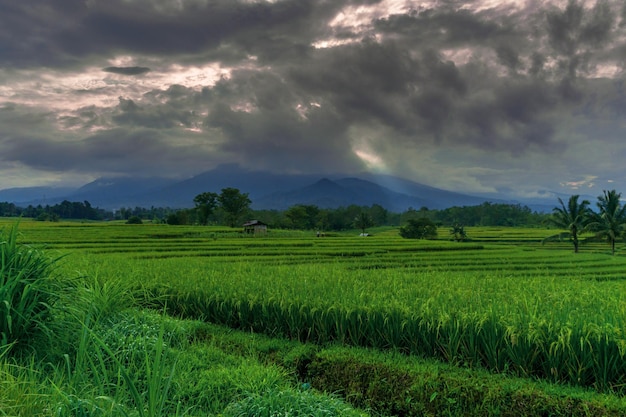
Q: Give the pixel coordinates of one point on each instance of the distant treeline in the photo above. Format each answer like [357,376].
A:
[303,217]
[343,218]
[63,210]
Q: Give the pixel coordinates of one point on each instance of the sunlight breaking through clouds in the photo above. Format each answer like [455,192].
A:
[372,160]
[587,182]
[479,95]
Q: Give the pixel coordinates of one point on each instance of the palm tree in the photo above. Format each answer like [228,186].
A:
[458,232]
[609,222]
[574,217]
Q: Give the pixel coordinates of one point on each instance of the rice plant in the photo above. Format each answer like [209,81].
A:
[503,301]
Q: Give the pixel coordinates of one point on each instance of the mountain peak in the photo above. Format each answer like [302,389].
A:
[267,190]
[325,183]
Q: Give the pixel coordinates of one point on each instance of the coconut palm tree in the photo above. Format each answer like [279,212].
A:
[610,221]
[574,217]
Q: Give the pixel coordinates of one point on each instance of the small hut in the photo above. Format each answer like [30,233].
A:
[255,227]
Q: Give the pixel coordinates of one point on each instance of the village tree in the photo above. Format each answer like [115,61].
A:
[234,203]
[422,228]
[205,206]
[297,216]
[363,221]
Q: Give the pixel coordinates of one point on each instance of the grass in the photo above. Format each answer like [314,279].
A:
[26,291]
[502,302]
[109,358]
[438,293]
[290,403]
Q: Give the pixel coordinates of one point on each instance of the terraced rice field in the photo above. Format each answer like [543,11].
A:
[502,301]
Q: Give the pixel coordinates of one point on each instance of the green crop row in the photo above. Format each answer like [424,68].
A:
[588,355]
[524,308]
[533,324]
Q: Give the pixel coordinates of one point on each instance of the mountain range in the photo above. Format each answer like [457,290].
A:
[266,190]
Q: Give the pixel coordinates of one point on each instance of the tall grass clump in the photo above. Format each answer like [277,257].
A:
[278,403]
[25,290]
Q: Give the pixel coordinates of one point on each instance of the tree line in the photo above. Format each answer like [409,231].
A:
[64,210]
[232,207]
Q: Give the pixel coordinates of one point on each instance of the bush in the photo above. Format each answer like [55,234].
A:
[25,290]
[134,220]
[422,228]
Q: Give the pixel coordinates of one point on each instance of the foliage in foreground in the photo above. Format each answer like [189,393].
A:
[206,380]
[26,292]
[290,403]
[396,385]
[141,364]
[584,356]
[108,359]
[389,383]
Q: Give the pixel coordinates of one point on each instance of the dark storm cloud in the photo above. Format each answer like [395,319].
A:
[127,70]
[573,27]
[33,32]
[84,118]
[33,140]
[28,29]
[407,87]
[499,79]
[114,151]
[367,82]
[508,57]
[447,26]
[425,97]
[128,113]
[273,132]
[578,37]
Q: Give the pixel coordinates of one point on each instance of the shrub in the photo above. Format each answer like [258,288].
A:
[134,220]
[422,228]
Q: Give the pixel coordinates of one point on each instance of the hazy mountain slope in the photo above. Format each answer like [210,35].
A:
[342,192]
[266,190]
[256,183]
[433,198]
[323,193]
[34,195]
[119,192]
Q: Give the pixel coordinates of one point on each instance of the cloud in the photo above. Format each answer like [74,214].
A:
[116,151]
[133,85]
[259,115]
[587,182]
[162,116]
[34,141]
[65,33]
[127,70]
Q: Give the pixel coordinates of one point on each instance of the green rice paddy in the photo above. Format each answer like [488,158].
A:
[502,301]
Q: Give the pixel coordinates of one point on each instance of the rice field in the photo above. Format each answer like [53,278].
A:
[502,301]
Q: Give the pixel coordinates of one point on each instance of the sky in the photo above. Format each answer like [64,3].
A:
[514,98]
